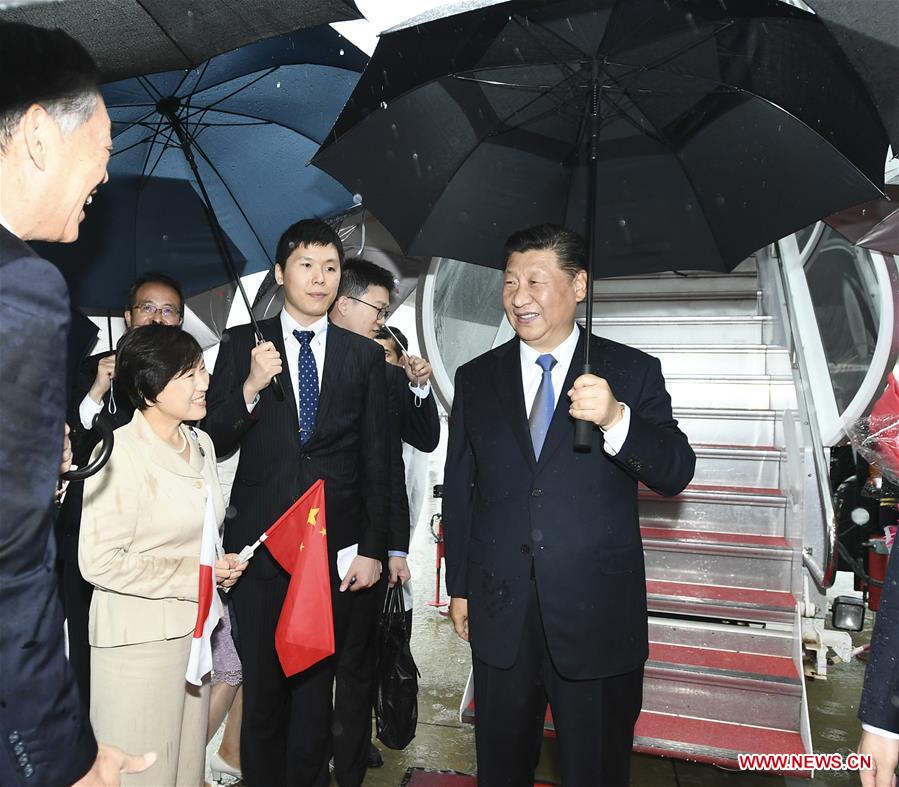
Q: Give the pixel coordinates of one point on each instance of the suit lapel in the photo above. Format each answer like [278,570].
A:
[271,331]
[336,352]
[507,378]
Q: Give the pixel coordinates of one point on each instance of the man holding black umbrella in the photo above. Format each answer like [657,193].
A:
[543,554]
[54,147]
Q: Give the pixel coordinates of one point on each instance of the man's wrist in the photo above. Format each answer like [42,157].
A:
[619,414]
[250,393]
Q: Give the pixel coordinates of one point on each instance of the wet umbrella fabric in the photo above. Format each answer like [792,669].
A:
[721,126]
[252,119]
[132,37]
[873,225]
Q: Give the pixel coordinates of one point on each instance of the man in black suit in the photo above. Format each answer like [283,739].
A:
[411,417]
[330,425]
[154,297]
[54,147]
[879,707]
[544,564]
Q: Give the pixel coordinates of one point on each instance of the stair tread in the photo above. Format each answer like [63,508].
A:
[718,490]
[646,295]
[744,663]
[708,733]
[712,537]
[737,596]
[731,378]
[705,319]
[711,347]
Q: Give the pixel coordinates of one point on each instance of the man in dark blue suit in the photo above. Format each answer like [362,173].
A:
[54,147]
[544,557]
[879,707]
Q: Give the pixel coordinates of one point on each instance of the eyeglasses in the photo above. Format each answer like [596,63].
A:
[150,309]
[383,314]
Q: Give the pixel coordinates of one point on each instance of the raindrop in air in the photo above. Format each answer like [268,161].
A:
[341,53]
[277,85]
[383,105]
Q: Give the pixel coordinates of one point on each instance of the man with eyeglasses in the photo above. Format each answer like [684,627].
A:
[154,297]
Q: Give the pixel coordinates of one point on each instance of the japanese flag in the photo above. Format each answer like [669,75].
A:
[208,611]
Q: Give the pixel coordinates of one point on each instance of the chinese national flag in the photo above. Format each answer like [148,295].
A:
[299,542]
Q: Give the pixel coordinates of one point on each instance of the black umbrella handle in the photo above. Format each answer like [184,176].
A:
[277,388]
[100,426]
[583,430]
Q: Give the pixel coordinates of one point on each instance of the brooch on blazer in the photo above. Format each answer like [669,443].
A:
[196,437]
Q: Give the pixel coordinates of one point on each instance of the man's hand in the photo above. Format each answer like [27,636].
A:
[418,370]
[592,400]
[111,762]
[364,572]
[398,568]
[103,380]
[885,753]
[228,570]
[265,363]
[458,612]
[65,462]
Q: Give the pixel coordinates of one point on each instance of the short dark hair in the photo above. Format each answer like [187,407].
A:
[155,277]
[307,232]
[151,356]
[46,67]
[358,274]
[567,244]
[392,335]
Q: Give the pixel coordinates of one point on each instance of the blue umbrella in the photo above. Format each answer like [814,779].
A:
[241,128]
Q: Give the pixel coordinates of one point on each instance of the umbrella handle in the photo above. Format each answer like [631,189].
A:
[102,427]
[583,430]
[277,388]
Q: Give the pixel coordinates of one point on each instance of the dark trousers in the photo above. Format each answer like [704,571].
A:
[76,595]
[594,719]
[291,728]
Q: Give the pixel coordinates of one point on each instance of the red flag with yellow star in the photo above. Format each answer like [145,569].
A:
[299,542]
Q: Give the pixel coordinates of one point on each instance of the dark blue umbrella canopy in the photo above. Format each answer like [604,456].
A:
[253,117]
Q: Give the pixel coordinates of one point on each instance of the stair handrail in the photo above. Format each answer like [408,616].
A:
[822,573]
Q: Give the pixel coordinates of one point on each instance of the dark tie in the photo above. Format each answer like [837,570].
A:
[308,385]
[544,404]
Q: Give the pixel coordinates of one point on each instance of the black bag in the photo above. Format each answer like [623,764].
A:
[396,702]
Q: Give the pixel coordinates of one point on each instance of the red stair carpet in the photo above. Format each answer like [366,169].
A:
[423,777]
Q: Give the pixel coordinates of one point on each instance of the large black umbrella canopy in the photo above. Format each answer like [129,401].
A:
[720,126]
[868,32]
[132,37]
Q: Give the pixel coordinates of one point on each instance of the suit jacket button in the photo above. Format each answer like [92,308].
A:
[525,549]
[19,748]
[307,457]
[536,492]
[14,736]
[28,770]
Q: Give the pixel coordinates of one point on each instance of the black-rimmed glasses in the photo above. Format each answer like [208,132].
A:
[383,314]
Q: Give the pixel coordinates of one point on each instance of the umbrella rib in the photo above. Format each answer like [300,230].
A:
[186,74]
[252,82]
[164,147]
[164,32]
[244,115]
[133,123]
[149,87]
[230,194]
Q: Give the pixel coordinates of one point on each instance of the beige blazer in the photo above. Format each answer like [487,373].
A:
[141,527]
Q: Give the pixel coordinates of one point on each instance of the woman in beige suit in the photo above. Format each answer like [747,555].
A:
[140,546]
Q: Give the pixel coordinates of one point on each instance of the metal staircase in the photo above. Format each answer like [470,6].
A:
[723,560]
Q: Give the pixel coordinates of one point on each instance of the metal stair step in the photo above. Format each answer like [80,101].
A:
[721,302]
[722,602]
[696,329]
[674,283]
[761,391]
[719,508]
[720,558]
[734,465]
[736,426]
[776,641]
[724,359]
[709,740]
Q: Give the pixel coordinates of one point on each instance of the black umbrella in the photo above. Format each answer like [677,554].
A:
[132,37]
[673,134]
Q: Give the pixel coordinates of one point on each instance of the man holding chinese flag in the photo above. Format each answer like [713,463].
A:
[328,425]
[298,541]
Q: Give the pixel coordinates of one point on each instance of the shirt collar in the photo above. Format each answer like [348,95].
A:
[563,353]
[289,325]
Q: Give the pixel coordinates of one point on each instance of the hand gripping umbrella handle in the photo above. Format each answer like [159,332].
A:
[583,430]
[102,427]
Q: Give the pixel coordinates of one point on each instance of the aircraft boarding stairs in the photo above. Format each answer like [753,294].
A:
[723,563]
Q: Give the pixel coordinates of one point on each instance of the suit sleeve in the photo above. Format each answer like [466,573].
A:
[421,424]
[458,488]
[83,440]
[375,460]
[227,419]
[399,524]
[655,451]
[110,516]
[879,704]
[45,733]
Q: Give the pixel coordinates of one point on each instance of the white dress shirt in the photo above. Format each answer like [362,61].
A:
[531,374]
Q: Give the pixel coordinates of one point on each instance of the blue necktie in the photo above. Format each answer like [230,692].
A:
[308,385]
[544,404]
